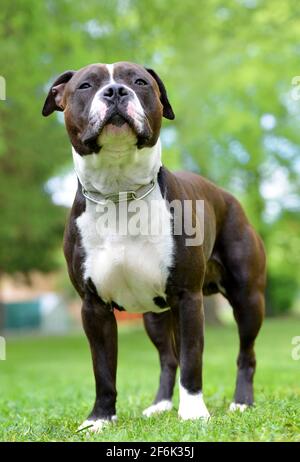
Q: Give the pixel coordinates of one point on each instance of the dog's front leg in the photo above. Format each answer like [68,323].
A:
[101,329]
[189,309]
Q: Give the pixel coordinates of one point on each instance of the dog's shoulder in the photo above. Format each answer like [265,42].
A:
[188,185]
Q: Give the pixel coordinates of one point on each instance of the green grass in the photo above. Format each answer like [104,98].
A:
[47,389]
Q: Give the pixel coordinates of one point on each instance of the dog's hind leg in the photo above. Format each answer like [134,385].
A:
[159,328]
[248,309]
[245,283]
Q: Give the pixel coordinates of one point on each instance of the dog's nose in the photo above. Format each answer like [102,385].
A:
[115,92]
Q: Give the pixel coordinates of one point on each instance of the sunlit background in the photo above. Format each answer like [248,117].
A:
[232,74]
[230,69]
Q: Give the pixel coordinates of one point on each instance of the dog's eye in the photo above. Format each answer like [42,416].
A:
[141,82]
[84,85]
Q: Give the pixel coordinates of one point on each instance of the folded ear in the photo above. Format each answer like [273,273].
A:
[167,111]
[55,96]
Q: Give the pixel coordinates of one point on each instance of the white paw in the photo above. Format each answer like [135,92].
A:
[194,414]
[237,407]
[191,405]
[161,406]
[95,426]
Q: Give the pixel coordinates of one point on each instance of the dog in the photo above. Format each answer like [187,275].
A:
[113,115]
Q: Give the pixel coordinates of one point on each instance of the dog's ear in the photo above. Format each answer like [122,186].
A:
[55,96]
[167,108]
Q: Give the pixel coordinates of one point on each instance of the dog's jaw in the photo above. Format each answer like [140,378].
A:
[114,138]
[118,168]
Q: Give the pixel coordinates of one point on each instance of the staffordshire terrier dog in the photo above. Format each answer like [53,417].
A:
[113,115]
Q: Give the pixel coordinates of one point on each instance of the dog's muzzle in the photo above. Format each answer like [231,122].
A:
[116,105]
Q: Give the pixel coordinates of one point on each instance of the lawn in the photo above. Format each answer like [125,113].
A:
[47,389]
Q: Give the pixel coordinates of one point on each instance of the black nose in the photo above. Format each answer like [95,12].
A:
[115,92]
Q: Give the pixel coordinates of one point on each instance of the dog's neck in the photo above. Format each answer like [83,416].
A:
[112,171]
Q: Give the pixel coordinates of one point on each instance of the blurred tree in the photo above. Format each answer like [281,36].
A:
[228,69]
[231,67]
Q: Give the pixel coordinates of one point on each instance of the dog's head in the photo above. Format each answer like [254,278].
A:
[115,106]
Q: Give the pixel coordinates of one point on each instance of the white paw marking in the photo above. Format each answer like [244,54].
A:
[237,407]
[95,426]
[191,405]
[161,406]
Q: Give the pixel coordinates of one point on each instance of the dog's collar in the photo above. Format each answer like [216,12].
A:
[123,196]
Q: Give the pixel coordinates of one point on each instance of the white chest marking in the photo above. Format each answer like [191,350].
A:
[128,268]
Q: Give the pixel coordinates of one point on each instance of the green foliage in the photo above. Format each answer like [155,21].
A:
[283,264]
[53,410]
[226,67]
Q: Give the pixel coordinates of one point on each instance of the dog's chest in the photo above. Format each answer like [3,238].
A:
[129,259]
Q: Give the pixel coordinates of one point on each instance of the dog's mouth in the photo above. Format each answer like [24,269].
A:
[117,120]
[117,125]
[116,128]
